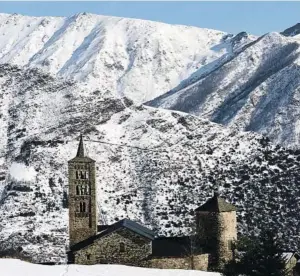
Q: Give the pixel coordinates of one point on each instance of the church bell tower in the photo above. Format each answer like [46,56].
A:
[82,196]
[217,229]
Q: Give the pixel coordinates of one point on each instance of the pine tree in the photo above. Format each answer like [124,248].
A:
[268,256]
[261,256]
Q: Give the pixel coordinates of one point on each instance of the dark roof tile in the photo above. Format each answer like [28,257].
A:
[80,156]
[131,225]
[216,204]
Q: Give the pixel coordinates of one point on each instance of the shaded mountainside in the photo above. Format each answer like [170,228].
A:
[292,31]
[136,58]
[257,89]
[186,158]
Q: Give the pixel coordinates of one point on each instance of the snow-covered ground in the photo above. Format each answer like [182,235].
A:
[11,267]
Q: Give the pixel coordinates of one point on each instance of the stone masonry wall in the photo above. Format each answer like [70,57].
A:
[106,250]
[216,232]
[200,262]
[82,225]
[207,230]
[227,235]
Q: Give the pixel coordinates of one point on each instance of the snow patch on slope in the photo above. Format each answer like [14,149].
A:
[20,172]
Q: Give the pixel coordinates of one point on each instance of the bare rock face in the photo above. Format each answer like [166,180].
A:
[292,31]
[174,162]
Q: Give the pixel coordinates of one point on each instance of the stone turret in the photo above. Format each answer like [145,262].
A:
[82,196]
[217,229]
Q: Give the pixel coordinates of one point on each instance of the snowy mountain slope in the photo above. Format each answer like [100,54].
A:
[137,58]
[232,80]
[177,161]
[256,90]
[12,267]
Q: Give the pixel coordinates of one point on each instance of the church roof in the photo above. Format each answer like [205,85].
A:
[124,223]
[80,150]
[80,156]
[216,204]
[135,227]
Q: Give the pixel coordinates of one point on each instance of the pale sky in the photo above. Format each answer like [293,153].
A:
[253,17]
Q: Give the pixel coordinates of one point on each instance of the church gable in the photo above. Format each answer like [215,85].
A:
[119,246]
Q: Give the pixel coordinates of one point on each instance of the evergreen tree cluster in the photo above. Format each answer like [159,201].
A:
[258,256]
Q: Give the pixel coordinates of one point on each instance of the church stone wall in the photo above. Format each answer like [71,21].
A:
[106,250]
[227,235]
[207,229]
[199,262]
[217,231]
[82,225]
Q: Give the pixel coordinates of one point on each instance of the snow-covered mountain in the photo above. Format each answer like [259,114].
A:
[174,163]
[242,81]
[136,58]
[256,89]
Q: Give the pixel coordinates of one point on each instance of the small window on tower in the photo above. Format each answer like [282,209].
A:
[230,245]
[122,247]
[77,190]
[86,192]
[82,190]
[82,207]
[77,175]
[82,175]
[88,256]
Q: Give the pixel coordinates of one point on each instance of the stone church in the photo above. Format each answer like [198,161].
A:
[130,243]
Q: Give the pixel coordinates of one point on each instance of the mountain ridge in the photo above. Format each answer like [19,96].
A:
[237,93]
[186,159]
[137,58]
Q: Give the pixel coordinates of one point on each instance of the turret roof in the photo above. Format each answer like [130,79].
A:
[216,204]
[80,156]
[80,150]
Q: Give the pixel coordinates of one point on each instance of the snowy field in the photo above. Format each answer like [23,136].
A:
[11,267]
